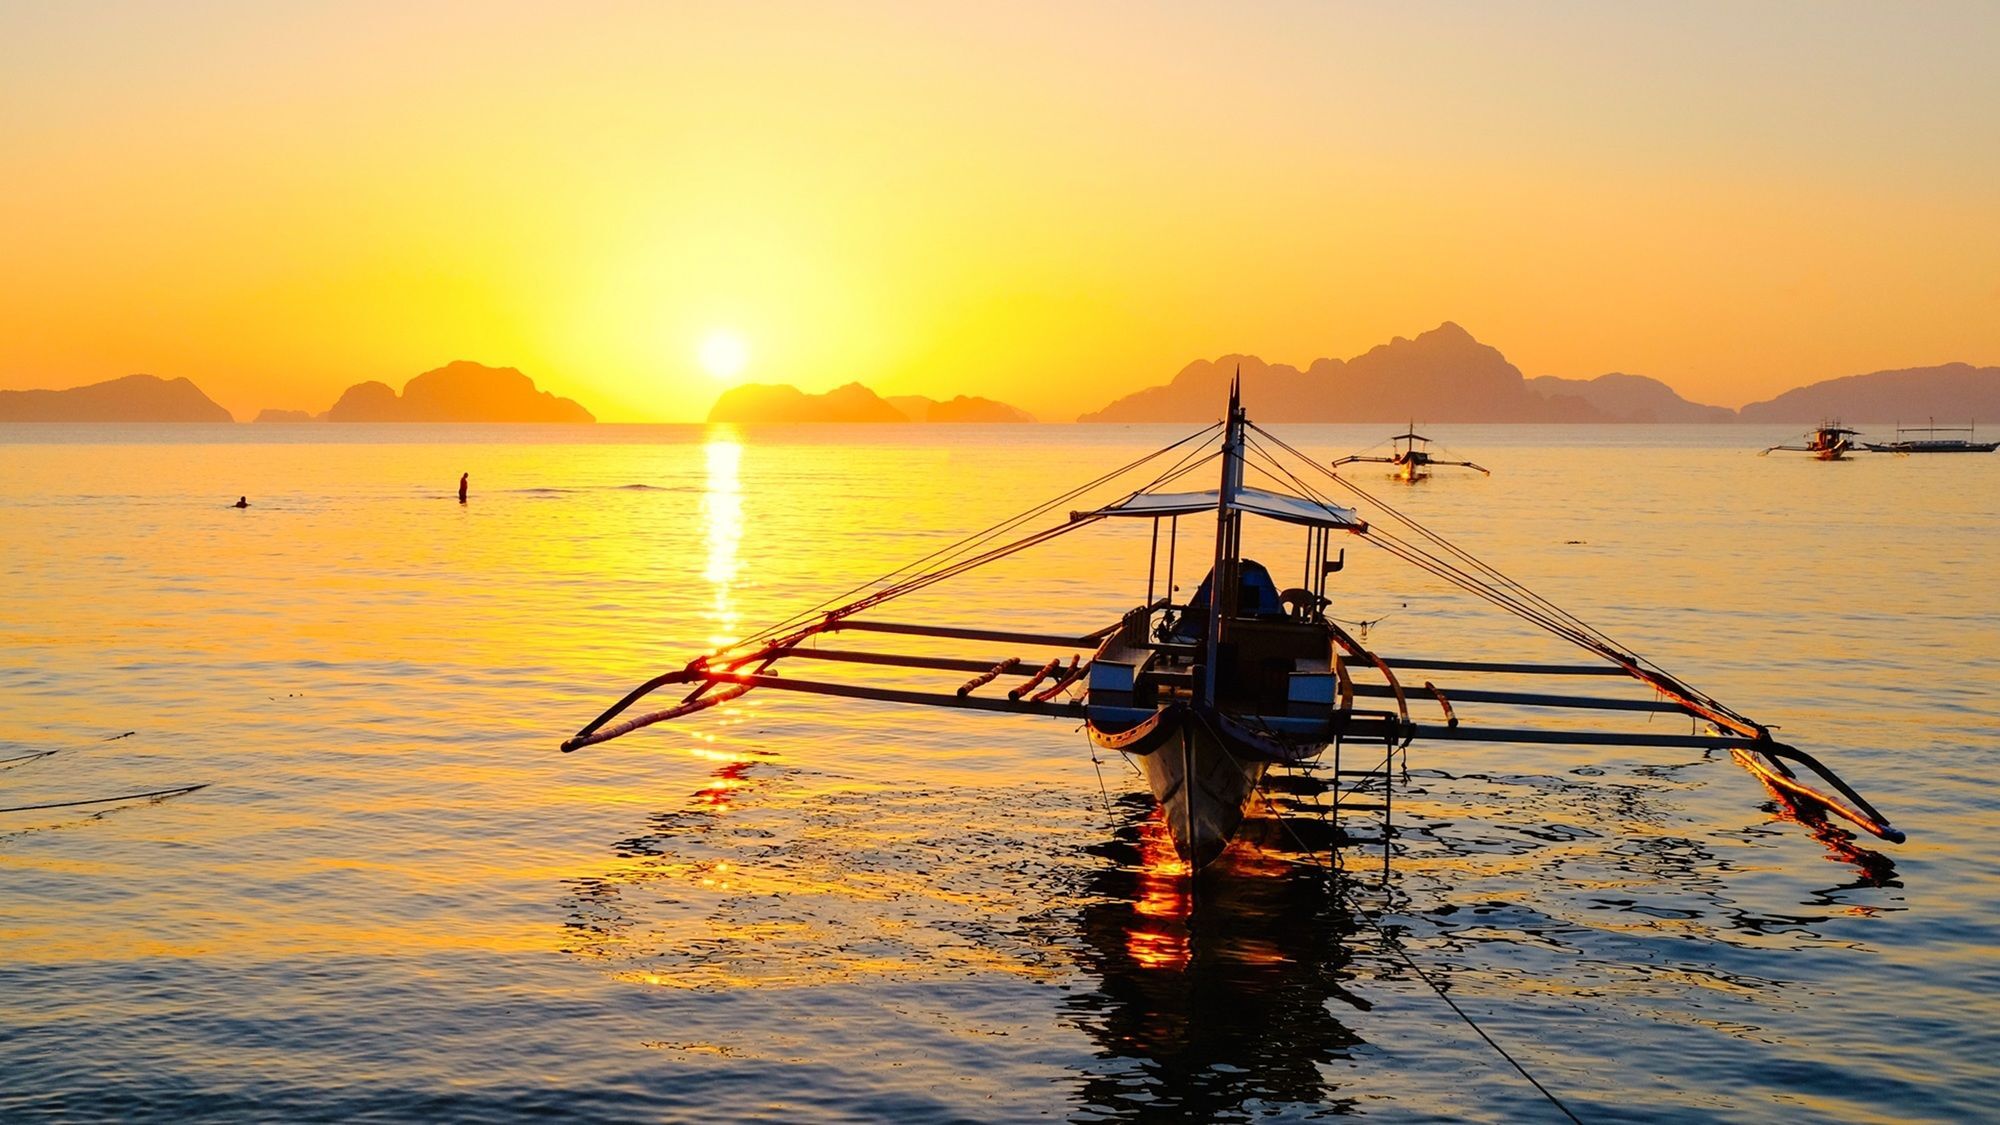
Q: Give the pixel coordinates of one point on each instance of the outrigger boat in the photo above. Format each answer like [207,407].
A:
[1206,696]
[1828,442]
[1412,462]
[1931,442]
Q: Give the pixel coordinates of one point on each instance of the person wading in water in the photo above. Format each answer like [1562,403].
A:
[462,478]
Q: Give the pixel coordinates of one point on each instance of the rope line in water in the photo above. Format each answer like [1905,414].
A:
[1389,940]
[174,792]
[33,755]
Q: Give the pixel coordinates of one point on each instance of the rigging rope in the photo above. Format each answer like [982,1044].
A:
[1418,557]
[945,563]
[955,563]
[958,548]
[1504,591]
[1543,604]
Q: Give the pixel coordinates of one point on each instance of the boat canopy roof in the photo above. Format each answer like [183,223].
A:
[1255,501]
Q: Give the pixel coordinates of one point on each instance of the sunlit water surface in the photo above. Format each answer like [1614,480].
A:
[395,898]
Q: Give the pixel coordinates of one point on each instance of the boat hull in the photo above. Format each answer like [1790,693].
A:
[1932,447]
[1203,768]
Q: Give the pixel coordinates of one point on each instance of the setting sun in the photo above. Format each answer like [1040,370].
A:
[723,354]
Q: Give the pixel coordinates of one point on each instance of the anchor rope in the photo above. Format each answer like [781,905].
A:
[1389,939]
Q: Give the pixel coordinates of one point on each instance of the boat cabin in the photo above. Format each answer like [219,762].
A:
[1275,656]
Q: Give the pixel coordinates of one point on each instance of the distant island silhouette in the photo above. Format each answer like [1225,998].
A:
[1630,398]
[962,408]
[771,403]
[1445,375]
[457,392]
[1958,392]
[461,391]
[134,398]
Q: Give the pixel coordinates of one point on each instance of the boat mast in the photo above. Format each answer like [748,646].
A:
[1228,524]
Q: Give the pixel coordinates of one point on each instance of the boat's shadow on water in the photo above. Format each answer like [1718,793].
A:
[1216,997]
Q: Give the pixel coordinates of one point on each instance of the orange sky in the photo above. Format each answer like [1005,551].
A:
[1052,207]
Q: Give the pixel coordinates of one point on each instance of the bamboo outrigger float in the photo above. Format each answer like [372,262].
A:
[1205,696]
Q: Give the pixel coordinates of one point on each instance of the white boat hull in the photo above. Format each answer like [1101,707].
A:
[1202,813]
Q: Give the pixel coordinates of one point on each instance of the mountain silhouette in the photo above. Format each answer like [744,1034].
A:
[462,391]
[1630,398]
[768,403]
[1443,375]
[755,403]
[962,408]
[134,398]
[1956,391]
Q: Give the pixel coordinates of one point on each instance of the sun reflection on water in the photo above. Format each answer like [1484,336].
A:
[722,519]
[1158,938]
[720,791]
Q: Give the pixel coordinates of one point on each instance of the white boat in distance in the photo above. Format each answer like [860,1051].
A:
[1931,442]
[1206,696]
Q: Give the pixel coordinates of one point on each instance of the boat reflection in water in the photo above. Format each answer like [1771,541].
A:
[1201,1011]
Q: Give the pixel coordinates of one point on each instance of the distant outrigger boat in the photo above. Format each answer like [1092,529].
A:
[1931,442]
[1208,695]
[1828,442]
[1412,463]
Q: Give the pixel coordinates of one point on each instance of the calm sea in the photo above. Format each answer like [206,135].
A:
[395,899]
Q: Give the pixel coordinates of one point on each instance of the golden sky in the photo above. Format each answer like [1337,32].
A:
[1051,206]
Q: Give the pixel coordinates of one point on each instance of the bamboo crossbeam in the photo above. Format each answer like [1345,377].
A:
[1450,716]
[900,695]
[892,659]
[1051,668]
[1463,733]
[1506,667]
[986,677]
[1075,673]
[1538,699]
[954,633]
[1355,648]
